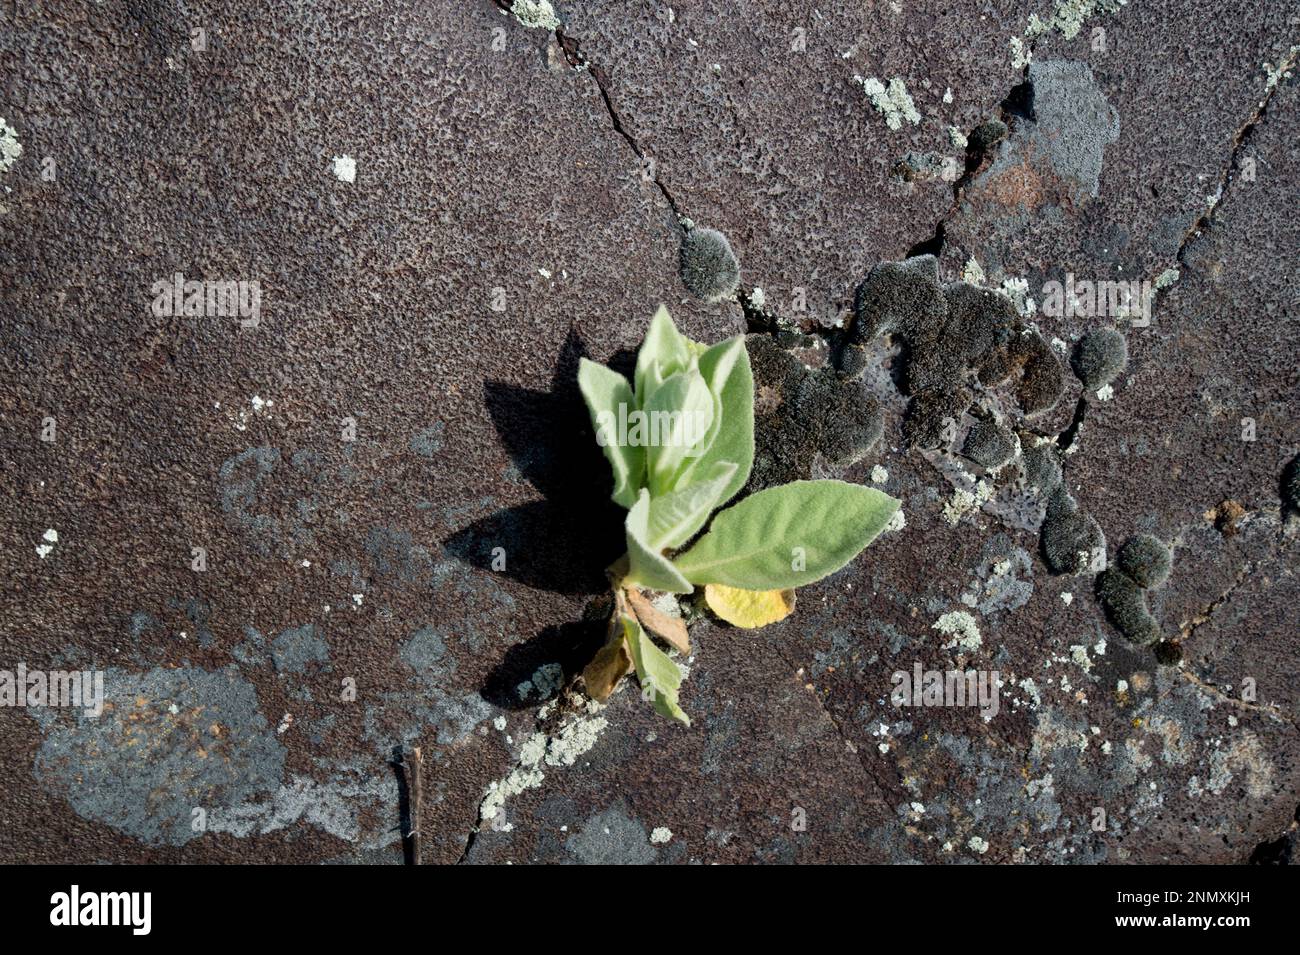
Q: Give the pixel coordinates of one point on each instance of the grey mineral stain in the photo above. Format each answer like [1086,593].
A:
[1071,127]
[1003,580]
[393,556]
[612,838]
[169,741]
[242,477]
[432,699]
[844,650]
[428,441]
[340,806]
[141,623]
[423,653]
[250,652]
[296,647]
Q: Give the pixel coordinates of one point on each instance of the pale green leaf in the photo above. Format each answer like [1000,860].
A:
[663,353]
[604,390]
[660,677]
[677,417]
[788,536]
[647,566]
[677,515]
[727,364]
[718,361]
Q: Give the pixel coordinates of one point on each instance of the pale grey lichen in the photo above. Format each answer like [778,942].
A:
[892,101]
[344,168]
[535,14]
[574,738]
[1070,15]
[961,627]
[1274,74]
[10,147]
[1021,53]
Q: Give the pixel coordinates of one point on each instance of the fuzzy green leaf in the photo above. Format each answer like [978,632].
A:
[660,677]
[725,367]
[718,361]
[678,415]
[647,566]
[664,352]
[788,536]
[677,515]
[604,390]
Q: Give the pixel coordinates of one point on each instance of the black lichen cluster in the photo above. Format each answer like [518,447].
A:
[1071,540]
[709,267]
[1099,357]
[1142,563]
[1041,466]
[948,331]
[987,134]
[801,414]
[1146,560]
[989,444]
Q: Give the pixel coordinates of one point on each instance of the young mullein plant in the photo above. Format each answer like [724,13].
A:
[680,440]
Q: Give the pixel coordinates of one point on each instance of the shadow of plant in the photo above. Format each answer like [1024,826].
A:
[561,543]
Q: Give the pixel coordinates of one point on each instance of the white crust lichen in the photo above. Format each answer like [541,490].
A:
[10,147]
[535,14]
[891,101]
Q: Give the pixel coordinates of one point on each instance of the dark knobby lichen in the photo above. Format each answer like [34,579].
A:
[989,444]
[900,298]
[1125,604]
[1143,562]
[948,331]
[931,415]
[1072,541]
[709,267]
[1041,380]
[1041,466]
[979,321]
[801,414]
[1144,559]
[1099,357]
[986,134]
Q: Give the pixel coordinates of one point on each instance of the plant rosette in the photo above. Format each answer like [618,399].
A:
[679,439]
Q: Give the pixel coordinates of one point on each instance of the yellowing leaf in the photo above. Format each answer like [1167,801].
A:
[610,664]
[671,630]
[749,608]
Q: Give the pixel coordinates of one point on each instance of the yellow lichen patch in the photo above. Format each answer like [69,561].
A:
[749,608]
